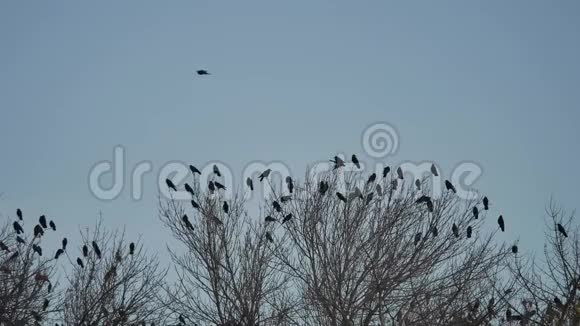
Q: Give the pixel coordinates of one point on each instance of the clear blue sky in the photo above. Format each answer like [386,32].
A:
[495,82]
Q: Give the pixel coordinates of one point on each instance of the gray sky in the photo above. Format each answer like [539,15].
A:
[493,82]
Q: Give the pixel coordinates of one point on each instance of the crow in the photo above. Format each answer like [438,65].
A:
[181,320]
[558,302]
[341,196]
[434,231]
[42,221]
[19,214]
[290,184]
[202,72]
[85,251]
[338,162]
[38,231]
[400,173]
[188,188]
[287,218]
[508,314]
[58,253]
[20,240]
[417,238]
[323,187]
[469,231]
[450,186]
[386,171]
[187,223]
[17,228]
[194,170]
[418,184]
[4,247]
[269,237]
[37,249]
[216,170]
[45,304]
[219,185]
[379,190]
[355,161]
[80,262]
[194,204]
[423,199]
[372,178]
[284,199]
[430,206]
[170,184]
[434,170]
[131,248]
[369,198]
[501,223]
[277,206]
[64,243]
[562,230]
[475,212]
[515,249]
[211,187]
[52,225]
[264,174]
[250,183]
[269,219]
[485,203]
[226,207]
[96,249]
[455,230]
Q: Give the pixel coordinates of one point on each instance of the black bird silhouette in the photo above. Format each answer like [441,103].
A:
[379,190]
[455,230]
[562,230]
[186,221]
[355,161]
[558,302]
[80,262]
[17,228]
[188,188]
[286,198]
[42,221]
[58,253]
[131,248]
[19,239]
[45,304]
[418,184]
[64,243]
[386,171]
[434,170]
[501,223]
[14,256]
[469,231]
[202,72]
[423,199]
[211,187]
[508,314]
[290,184]
[430,206]
[475,212]
[250,183]
[19,214]
[38,231]
[372,178]
[485,203]
[269,219]
[37,249]
[170,184]
[216,170]
[85,251]
[3,246]
[515,249]
[287,218]
[52,225]
[194,170]
[338,162]
[434,231]
[194,204]
[277,206]
[369,198]
[226,207]
[341,196]
[323,187]
[450,186]
[400,173]
[269,237]
[96,249]
[219,185]
[417,238]
[264,174]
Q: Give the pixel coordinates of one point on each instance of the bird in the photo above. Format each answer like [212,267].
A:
[417,238]
[469,231]
[64,243]
[188,188]
[323,187]
[38,231]
[226,207]
[400,173]
[286,198]
[562,230]
[211,187]
[269,219]
[515,249]
[355,161]
[19,239]
[290,184]
[96,249]
[379,190]
[423,199]
[131,248]
[558,302]
[52,225]
[216,170]
[277,206]
[430,206]
[250,183]
[369,198]
[269,237]
[170,184]
[485,203]
[418,184]
[45,304]
[194,170]
[19,213]
[85,251]
[194,204]
[455,230]
[450,186]
[264,174]
[219,185]
[434,231]
[338,162]
[287,218]
[475,212]
[181,319]
[37,249]
[58,253]
[501,223]
[4,247]
[14,256]
[434,170]
[17,227]
[372,178]
[386,171]
[202,72]
[341,196]
[186,221]
[80,262]
[42,221]
[394,184]
[508,314]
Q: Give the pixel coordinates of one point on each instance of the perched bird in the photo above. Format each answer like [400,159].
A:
[469,231]
[277,206]
[386,171]
[355,161]
[226,207]
[338,162]
[430,206]
[434,170]
[194,170]
[341,196]
[269,219]
[508,314]
[170,184]
[290,184]
[455,230]
[286,198]
[58,253]
[52,225]
[181,319]
[323,187]
[418,184]
[131,248]
[202,72]
[45,304]
[19,239]
[80,262]
[96,249]
[372,178]
[558,302]
[250,183]
[17,228]
[501,223]
[369,198]
[85,251]
[435,231]
[400,173]
[42,221]
[219,185]
[450,186]
[417,238]
[194,204]
[269,237]
[188,188]
[287,218]
[515,249]
[562,230]
[264,174]
[38,231]
[485,203]
[216,170]
[64,243]
[379,190]
[423,199]
[19,214]
[4,247]
[211,187]
[475,212]
[37,249]
[187,223]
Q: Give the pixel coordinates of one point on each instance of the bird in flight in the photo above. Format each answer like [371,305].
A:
[202,72]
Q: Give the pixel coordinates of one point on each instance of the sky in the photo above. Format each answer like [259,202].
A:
[490,82]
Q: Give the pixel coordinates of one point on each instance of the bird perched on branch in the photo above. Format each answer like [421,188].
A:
[434,170]
[202,72]
[501,223]
[96,249]
[42,221]
[562,230]
[170,184]
[355,161]
[264,174]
